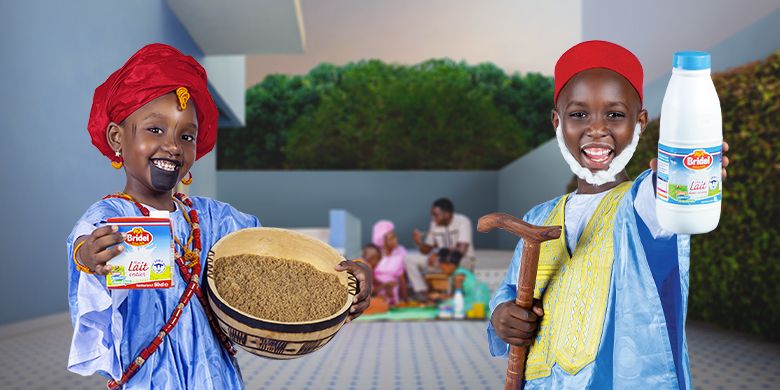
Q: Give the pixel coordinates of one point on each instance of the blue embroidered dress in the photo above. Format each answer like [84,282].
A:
[112,326]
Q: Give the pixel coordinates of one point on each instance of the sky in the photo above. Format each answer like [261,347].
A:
[507,33]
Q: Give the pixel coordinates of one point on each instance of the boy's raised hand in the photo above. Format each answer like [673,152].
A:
[724,162]
[363,275]
[96,251]
[515,325]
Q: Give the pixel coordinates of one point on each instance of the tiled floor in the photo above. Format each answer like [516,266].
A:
[402,355]
[728,360]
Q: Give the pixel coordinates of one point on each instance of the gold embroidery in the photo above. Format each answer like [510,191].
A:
[574,291]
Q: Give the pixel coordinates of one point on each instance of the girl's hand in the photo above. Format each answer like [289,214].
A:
[724,162]
[459,281]
[95,251]
[363,275]
[376,289]
[388,287]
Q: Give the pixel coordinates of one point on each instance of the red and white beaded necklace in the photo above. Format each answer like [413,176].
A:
[190,270]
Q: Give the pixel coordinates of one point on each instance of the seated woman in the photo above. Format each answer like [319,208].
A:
[474,290]
[388,272]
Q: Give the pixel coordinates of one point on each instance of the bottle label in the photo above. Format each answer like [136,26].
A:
[689,176]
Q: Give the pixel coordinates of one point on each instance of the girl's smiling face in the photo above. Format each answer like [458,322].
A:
[157,144]
[599,110]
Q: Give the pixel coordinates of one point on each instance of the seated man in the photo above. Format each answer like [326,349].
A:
[448,230]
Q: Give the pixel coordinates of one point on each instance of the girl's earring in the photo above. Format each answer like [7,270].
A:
[117,161]
[187,180]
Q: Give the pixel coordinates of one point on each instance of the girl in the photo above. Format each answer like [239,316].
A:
[155,117]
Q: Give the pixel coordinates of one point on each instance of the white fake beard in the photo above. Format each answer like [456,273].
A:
[600,177]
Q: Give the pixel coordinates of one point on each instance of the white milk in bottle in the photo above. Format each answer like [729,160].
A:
[689,184]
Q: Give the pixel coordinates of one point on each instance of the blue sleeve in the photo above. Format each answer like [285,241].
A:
[233,220]
[225,219]
[97,325]
[506,292]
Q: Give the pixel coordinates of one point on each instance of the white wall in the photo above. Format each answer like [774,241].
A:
[655,30]
[54,54]
[530,180]
[227,76]
[525,36]
[304,198]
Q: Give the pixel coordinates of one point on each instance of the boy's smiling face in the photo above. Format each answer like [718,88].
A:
[157,143]
[599,110]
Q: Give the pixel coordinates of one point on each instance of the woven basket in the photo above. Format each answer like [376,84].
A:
[438,282]
[273,339]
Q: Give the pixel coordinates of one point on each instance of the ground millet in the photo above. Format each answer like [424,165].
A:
[277,289]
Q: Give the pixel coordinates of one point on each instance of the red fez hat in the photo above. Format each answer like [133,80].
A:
[153,71]
[598,54]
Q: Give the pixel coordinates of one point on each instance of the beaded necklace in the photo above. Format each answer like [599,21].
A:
[190,269]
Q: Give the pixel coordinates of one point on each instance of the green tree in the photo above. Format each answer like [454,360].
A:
[272,107]
[438,114]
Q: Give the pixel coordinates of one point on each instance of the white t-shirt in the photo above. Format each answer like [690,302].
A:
[459,230]
[580,207]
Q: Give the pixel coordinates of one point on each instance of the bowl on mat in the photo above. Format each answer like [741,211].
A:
[274,339]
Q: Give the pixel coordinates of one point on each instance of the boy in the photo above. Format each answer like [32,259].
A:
[612,291]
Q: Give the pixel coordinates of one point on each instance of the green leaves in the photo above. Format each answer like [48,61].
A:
[438,114]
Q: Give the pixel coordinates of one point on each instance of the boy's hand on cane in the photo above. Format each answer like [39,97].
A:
[97,249]
[515,325]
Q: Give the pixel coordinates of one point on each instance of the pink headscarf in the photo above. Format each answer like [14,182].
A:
[381,228]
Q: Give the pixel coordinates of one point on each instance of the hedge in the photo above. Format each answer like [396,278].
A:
[439,114]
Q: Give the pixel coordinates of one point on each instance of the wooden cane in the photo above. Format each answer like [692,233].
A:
[532,236]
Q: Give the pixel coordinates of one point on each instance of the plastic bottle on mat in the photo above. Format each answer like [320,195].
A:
[459,305]
[689,185]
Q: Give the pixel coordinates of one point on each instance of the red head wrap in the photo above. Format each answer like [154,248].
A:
[153,71]
[598,54]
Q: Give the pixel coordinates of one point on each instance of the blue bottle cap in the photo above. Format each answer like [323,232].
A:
[692,60]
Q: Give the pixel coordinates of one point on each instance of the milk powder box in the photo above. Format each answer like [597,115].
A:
[147,257]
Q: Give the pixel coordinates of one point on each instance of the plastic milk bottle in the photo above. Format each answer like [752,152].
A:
[689,186]
[459,304]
